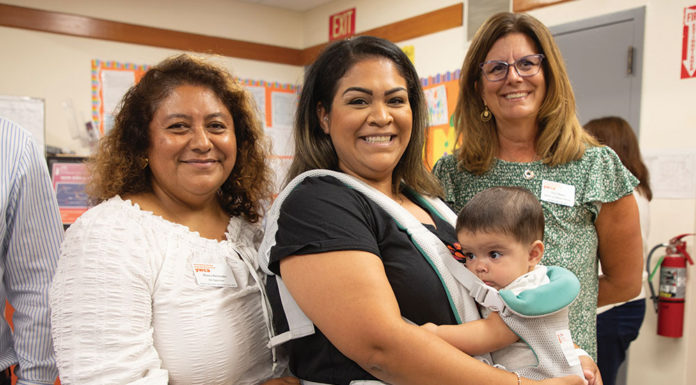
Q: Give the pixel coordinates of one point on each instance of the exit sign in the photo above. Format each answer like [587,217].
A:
[342,24]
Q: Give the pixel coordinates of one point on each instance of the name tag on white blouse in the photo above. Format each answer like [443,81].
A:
[214,274]
[559,193]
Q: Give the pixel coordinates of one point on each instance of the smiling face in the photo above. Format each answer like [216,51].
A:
[370,120]
[193,145]
[515,98]
[496,258]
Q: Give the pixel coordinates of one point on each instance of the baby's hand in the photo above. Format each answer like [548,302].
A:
[431,327]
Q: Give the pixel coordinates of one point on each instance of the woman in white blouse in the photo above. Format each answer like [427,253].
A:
[158,283]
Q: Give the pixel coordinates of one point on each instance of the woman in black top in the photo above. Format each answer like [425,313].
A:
[350,267]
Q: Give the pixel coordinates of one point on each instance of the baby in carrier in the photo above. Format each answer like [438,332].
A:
[500,231]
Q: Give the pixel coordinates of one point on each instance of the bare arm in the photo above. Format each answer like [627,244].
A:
[348,297]
[282,381]
[477,337]
[620,251]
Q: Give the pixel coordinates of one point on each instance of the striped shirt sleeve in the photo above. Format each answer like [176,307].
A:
[31,233]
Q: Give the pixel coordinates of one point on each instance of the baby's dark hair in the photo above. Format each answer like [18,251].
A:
[514,211]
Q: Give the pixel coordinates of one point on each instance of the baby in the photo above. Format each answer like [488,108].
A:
[500,231]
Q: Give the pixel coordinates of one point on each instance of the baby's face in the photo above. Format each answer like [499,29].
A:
[496,258]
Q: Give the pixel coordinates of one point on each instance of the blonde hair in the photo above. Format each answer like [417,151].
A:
[560,139]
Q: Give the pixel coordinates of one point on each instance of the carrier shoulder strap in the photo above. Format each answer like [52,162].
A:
[436,253]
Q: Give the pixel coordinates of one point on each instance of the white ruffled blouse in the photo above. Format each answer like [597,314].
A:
[128,308]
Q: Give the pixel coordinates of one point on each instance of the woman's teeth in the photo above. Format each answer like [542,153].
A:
[516,95]
[378,139]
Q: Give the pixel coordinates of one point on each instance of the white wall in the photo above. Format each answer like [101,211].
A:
[57,68]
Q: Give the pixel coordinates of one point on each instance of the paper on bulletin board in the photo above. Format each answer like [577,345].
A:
[437,105]
[110,81]
[283,105]
[115,84]
[259,95]
[278,103]
[441,94]
[672,173]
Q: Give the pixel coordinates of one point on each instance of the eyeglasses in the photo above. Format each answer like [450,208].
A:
[497,70]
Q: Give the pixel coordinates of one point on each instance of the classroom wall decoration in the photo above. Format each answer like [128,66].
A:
[441,95]
[110,81]
[277,103]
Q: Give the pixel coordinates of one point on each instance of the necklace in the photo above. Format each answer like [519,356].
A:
[528,173]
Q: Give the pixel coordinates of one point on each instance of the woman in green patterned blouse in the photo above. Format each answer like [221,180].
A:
[516,126]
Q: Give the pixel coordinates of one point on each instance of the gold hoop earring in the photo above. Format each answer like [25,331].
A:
[144,162]
[486,114]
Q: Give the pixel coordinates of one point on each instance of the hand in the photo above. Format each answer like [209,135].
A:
[591,371]
[567,380]
[431,327]
[283,381]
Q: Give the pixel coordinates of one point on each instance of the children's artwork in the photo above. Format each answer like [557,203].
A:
[437,105]
[441,95]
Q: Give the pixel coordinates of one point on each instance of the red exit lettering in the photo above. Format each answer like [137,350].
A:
[690,17]
[342,24]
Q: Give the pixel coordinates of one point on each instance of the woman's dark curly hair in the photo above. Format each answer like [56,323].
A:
[116,169]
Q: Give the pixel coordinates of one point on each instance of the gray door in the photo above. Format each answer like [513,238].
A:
[604,57]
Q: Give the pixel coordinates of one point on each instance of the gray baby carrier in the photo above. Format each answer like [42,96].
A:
[461,286]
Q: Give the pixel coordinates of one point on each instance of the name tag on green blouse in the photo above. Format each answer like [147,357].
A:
[559,193]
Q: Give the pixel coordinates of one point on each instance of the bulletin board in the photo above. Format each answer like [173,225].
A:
[277,103]
[441,93]
[110,81]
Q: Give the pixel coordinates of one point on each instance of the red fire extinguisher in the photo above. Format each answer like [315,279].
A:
[669,303]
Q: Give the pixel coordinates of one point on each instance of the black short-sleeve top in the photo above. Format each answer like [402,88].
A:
[323,215]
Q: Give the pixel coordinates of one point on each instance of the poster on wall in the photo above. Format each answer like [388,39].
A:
[69,177]
[441,95]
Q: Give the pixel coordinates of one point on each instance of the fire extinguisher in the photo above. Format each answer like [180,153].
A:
[669,303]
